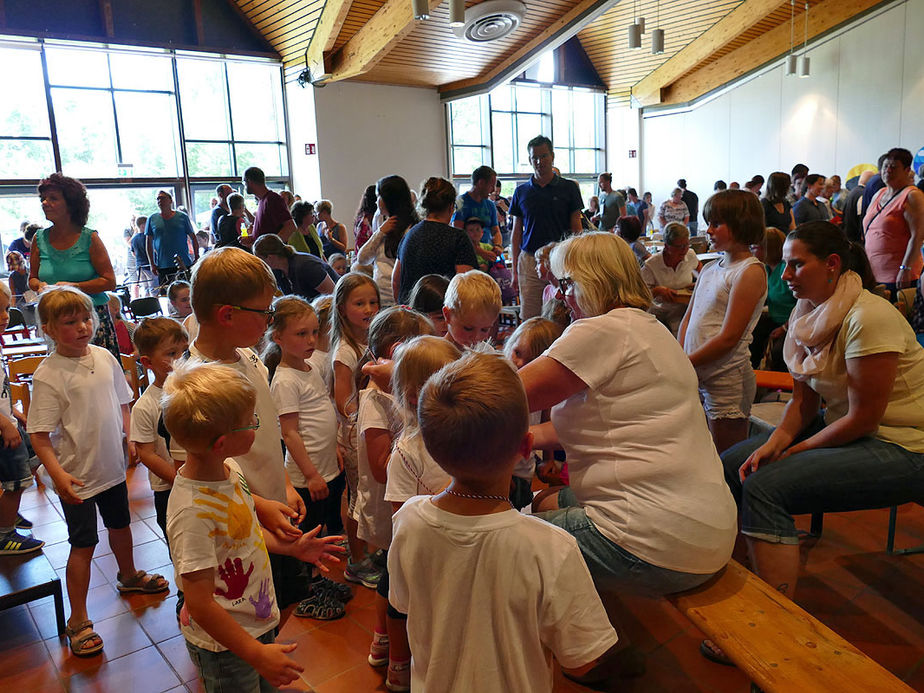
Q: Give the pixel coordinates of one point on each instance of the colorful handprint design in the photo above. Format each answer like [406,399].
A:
[235,515]
[234,577]
[263,606]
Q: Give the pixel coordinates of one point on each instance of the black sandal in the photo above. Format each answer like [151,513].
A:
[332,588]
[320,607]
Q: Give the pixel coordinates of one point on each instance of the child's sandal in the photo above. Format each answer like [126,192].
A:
[142,582]
[79,645]
[320,607]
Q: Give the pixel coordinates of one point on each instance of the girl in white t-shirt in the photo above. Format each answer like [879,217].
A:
[320,358]
[527,343]
[726,303]
[378,424]
[309,430]
[78,416]
[355,303]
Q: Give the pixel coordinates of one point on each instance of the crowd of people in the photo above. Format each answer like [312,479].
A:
[309,359]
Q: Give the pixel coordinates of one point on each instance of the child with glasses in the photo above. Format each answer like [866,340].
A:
[218,548]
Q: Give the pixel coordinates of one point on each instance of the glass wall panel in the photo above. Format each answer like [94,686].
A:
[148,134]
[145,72]
[86,132]
[209,159]
[26,158]
[269,157]
[23,111]
[204,99]
[77,68]
[256,102]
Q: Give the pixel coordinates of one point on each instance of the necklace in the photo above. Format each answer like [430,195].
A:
[87,362]
[476,496]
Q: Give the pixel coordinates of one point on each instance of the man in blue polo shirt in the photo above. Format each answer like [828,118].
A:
[167,233]
[477,203]
[546,208]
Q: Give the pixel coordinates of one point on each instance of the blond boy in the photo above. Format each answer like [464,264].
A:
[519,585]
[219,549]
[159,342]
[231,295]
[471,306]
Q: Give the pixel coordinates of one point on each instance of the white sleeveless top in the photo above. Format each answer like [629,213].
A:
[710,304]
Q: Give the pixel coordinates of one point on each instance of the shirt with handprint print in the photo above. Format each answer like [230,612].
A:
[213,524]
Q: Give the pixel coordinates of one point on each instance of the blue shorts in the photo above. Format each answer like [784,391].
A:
[612,567]
[81,519]
[225,671]
[15,470]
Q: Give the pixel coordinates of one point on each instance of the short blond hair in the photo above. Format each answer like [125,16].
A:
[605,272]
[534,336]
[324,206]
[228,277]
[473,292]
[63,301]
[203,401]
[151,333]
[415,362]
[5,288]
[473,416]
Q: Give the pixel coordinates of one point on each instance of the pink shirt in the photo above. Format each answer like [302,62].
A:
[887,236]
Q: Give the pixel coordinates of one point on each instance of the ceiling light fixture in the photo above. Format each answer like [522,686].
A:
[456,12]
[657,36]
[421,9]
[791,59]
[635,31]
[804,72]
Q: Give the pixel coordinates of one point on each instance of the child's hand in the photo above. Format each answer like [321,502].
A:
[275,666]
[380,371]
[11,437]
[64,485]
[277,518]
[296,503]
[317,487]
[320,552]
[132,454]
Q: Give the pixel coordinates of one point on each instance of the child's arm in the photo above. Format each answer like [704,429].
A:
[343,389]
[378,450]
[165,469]
[9,432]
[545,437]
[317,487]
[276,517]
[127,429]
[742,301]
[64,482]
[682,330]
[308,548]
[270,661]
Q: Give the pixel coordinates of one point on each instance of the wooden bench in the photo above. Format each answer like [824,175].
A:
[775,643]
[26,578]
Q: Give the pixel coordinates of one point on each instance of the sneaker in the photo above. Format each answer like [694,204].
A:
[378,650]
[398,677]
[338,590]
[15,544]
[22,523]
[363,573]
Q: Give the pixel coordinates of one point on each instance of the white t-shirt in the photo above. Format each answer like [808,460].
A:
[6,399]
[373,253]
[264,467]
[372,512]
[192,327]
[525,467]
[412,471]
[656,273]
[320,361]
[489,597]
[303,392]
[213,524]
[640,457]
[710,303]
[79,402]
[345,354]
[146,414]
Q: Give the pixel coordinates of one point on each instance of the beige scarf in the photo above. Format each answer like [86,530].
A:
[812,331]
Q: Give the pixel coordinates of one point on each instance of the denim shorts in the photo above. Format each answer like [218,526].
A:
[81,519]
[729,395]
[225,672]
[611,566]
[15,470]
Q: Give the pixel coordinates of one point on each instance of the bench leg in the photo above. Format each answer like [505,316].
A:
[890,540]
[59,608]
[818,520]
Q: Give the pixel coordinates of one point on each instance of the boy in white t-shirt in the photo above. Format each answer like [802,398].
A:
[220,552]
[511,588]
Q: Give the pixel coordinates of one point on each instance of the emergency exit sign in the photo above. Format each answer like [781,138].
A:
[310,149]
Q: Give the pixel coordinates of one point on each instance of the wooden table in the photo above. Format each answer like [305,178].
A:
[27,578]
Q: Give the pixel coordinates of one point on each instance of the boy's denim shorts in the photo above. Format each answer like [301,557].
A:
[15,468]
[612,567]
[225,672]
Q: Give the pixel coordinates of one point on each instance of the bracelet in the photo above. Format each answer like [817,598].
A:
[903,267]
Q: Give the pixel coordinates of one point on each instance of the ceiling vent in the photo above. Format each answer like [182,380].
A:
[491,20]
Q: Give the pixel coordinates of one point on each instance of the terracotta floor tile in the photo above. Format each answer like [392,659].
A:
[142,534]
[175,652]
[29,668]
[43,613]
[51,532]
[159,620]
[359,678]
[42,513]
[104,602]
[57,553]
[144,671]
[330,650]
[17,628]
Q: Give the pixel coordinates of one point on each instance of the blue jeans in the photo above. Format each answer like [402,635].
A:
[612,567]
[225,672]
[861,475]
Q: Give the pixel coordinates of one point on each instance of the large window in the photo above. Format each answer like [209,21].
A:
[495,129]
[130,121]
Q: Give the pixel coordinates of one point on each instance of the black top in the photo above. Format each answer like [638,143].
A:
[140,251]
[227,232]
[306,272]
[873,185]
[432,248]
[691,200]
[780,220]
[852,226]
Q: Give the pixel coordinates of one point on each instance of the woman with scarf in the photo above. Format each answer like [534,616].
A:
[853,350]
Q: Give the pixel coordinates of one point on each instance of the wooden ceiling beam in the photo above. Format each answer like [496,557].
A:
[324,37]
[648,91]
[823,17]
[384,30]
[555,34]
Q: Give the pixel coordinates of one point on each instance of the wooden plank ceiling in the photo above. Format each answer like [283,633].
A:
[705,41]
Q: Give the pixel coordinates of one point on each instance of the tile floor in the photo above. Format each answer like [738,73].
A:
[874,600]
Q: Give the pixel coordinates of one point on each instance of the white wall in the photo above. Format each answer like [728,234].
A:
[864,96]
[363,132]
